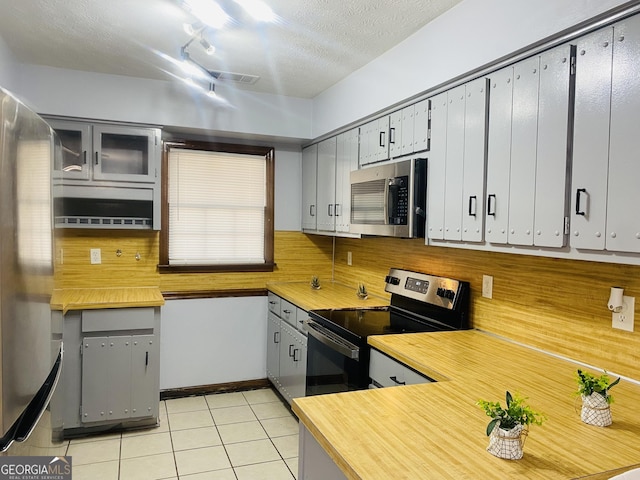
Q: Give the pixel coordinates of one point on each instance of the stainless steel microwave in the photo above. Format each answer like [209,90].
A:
[389,199]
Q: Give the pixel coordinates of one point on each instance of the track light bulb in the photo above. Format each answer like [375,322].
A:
[189,29]
[208,48]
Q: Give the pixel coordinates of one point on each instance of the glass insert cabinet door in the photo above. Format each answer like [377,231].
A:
[92,151]
[75,161]
[124,153]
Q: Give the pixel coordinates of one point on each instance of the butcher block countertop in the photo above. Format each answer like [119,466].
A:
[330,295]
[436,430]
[94,298]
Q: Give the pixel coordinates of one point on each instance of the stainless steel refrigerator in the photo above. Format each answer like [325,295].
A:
[30,344]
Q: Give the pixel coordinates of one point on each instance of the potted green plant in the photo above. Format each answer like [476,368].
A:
[315,283]
[509,426]
[362,291]
[596,400]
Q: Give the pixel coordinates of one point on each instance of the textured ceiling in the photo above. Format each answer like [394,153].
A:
[314,44]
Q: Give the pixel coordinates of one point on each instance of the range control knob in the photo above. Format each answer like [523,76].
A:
[392,280]
[444,293]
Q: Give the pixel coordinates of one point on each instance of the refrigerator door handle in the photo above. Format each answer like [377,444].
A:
[24,425]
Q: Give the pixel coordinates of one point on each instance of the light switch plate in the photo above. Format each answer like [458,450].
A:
[623,319]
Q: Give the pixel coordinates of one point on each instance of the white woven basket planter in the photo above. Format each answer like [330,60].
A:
[595,410]
[507,444]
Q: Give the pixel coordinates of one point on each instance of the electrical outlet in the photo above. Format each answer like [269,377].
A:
[349,258]
[487,286]
[96,256]
[623,319]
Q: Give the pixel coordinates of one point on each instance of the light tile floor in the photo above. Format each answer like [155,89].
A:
[231,436]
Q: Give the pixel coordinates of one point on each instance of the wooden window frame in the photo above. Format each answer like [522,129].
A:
[268,153]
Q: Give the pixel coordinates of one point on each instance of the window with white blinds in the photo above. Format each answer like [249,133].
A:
[216,203]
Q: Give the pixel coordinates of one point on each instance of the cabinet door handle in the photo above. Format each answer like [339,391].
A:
[330,209]
[491,206]
[291,354]
[96,158]
[382,139]
[392,135]
[473,205]
[312,210]
[85,157]
[296,359]
[146,359]
[288,312]
[338,210]
[396,381]
[578,192]
[276,337]
[272,302]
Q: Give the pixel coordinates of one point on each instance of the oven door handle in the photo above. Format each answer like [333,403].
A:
[333,341]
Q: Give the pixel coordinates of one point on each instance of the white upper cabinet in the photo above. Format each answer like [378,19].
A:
[602,172]
[326,185]
[623,197]
[374,141]
[606,141]
[454,164]
[436,168]
[524,126]
[475,159]
[401,132]
[529,111]
[457,163]
[346,161]
[395,133]
[554,105]
[499,155]
[591,140]
[309,187]
[421,133]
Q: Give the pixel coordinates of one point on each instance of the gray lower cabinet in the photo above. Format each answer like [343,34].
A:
[111,367]
[286,347]
[388,372]
[314,463]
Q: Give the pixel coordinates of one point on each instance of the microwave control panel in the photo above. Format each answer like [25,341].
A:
[399,200]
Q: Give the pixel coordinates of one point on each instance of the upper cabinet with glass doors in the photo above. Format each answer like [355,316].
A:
[107,152]
[108,176]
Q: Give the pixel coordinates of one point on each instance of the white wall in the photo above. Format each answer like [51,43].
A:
[210,341]
[56,91]
[472,34]
[7,67]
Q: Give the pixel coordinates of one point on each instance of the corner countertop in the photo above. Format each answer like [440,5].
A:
[330,295]
[436,430]
[94,298]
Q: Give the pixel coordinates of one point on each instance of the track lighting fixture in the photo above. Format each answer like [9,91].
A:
[208,48]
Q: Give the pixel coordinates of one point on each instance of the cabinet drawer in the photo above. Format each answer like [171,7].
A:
[112,319]
[301,319]
[274,303]
[386,372]
[288,312]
